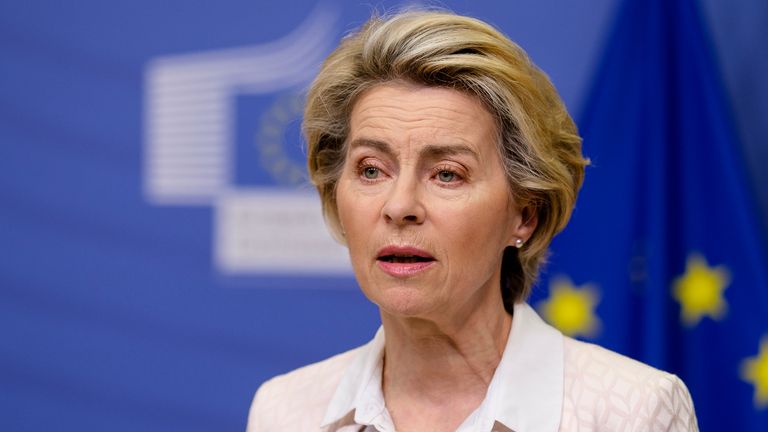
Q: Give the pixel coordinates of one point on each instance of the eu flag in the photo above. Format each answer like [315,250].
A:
[663,260]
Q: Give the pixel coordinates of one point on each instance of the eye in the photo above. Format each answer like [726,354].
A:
[446,176]
[370,172]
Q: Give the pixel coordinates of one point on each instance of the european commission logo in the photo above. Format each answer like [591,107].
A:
[221,130]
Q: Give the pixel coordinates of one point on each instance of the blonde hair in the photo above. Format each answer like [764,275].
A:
[538,141]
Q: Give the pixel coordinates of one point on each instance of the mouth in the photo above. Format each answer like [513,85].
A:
[403,262]
[404,255]
[404,259]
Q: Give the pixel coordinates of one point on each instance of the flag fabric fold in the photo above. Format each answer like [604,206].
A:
[664,234]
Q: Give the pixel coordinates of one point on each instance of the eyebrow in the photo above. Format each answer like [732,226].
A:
[440,151]
[431,151]
[380,146]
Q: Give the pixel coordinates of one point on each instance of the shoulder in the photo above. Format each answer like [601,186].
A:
[604,390]
[298,399]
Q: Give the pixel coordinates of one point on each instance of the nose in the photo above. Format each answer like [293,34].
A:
[404,205]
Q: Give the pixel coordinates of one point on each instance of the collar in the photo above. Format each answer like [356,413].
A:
[359,391]
[525,394]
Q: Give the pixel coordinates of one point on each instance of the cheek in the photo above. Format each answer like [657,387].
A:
[354,217]
[479,227]
[344,202]
[343,207]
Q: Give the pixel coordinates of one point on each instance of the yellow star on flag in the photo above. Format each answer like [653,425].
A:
[755,371]
[570,308]
[700,290]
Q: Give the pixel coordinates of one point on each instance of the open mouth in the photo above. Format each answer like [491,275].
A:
[404,255]
[404,259]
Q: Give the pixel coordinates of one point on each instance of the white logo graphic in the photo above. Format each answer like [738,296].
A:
[190,146]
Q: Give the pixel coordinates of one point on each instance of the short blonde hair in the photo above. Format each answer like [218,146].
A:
[538,141]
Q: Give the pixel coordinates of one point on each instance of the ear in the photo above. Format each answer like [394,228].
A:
[525,226]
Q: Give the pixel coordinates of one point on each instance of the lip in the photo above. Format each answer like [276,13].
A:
[403,269]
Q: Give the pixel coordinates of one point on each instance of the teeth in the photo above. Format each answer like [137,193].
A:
[406,259]
[409,259]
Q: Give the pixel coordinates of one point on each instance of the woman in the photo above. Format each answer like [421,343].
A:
[446,162]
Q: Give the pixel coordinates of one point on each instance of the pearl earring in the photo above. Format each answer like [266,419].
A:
[519,243]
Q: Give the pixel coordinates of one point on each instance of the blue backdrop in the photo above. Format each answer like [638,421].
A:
[157,255]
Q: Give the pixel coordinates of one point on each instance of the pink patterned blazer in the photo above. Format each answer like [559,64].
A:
[545,382]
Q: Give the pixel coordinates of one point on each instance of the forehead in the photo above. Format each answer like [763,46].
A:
[404,112]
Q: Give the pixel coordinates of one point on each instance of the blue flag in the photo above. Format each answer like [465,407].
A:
[663,260]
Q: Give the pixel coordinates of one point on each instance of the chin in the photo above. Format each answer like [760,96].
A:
[405,301]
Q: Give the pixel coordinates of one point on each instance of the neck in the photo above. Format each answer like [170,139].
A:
[426,361]
[427,353]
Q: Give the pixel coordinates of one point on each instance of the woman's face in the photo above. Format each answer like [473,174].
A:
[424,202]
